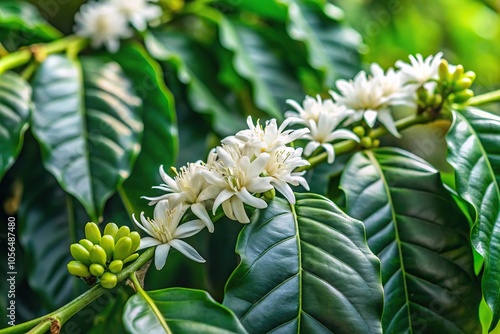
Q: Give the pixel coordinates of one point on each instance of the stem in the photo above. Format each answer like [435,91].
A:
[150,302]
[347,146]
[40,51]
[484,98]
[125,200]
[63,314]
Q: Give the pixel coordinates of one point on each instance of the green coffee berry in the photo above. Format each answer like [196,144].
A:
[76,268]
[116,266]
[123,231]
[108,280]
[270,194]
[80,253]
[108,244]
[463,83]
[98,255]
[92,233]
[366,142]
[359,131]
[131,258]
[376,143]
[122,248]
[96,269]
[111,229]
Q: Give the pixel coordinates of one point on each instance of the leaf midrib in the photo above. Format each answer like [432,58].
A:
[377,166]
[299,271]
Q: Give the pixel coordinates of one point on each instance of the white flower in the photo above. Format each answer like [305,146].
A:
[421,70]
[256,139]
[324,132]
[165,232]
[103,24]
[310,110]
[280,167]
[370,98]
[236,177]
[188,188]
[138,12]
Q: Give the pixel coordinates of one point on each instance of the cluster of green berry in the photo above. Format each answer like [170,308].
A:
[103,256]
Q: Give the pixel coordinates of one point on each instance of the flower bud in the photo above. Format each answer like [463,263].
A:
[359,131]
[98,255]
[111,229]
[86,243]
[92,233]
[443,70]
[108,244]
[136,241]
[122,248]
[96,269]
[80,253]
[459,71]
[376,143]
[471,75]
[131,258]
[76,268]
[108,280]
[366,142]
[270,194]
[463,83]
[116,266]
[123,231]
[462,96]
[438,99]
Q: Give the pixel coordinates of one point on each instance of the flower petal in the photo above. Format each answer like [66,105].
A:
[385,117]
[200,212]
[186,249]
[221,198]
[370,117]
[285,190]
[161,254]
[239,210]
[188,229]
[247,198]
[147,242]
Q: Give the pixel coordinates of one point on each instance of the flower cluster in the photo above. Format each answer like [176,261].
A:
[105,23]
[246,167]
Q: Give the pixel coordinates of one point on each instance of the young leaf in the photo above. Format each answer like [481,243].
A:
[198,73]
[88,124]
[305,268]
[184,310]
[15,105]
[421,237]
[159,144]
[474,152]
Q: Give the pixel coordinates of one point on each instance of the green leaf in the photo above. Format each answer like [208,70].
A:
[15,105]
[88,124]
[475,154]
[421,237]
[195,68]
[184,310]
[255,61]
[159,144]
[333,48]
[305,268]
[24,18]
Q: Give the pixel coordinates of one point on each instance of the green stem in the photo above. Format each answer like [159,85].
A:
[150,302]
[125,200]
[63,314]
[484,98]
[40,51]
[347,146]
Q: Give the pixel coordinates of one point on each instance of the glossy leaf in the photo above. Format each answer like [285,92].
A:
[184,310]
[88,124]
[474,152]
[195,69]
[305,268]
[333,48]
[23,18]
[421,237]
[255,61]
[15,105]
[159,144]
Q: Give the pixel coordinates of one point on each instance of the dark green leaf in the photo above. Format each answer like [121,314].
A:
[196,70]
[474,152]
[185,311]
[305,268]
[24,19]
[88,124]
[15,104]
[159,144]
[255,61]
[421,237]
